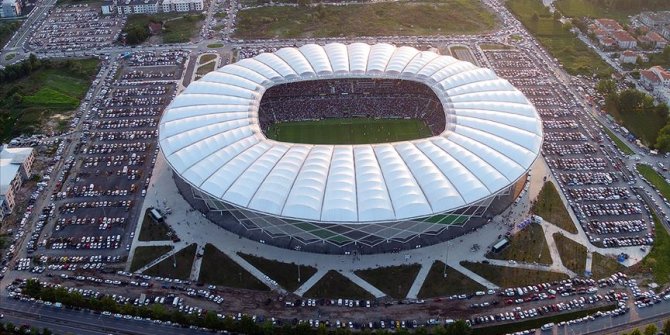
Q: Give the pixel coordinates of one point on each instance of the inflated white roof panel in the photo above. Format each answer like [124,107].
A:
[210,137]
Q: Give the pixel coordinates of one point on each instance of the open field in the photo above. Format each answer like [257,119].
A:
[603,266]
[655,179]
[153,231]
[395,281]
[573,254]
[348,131]
[43,93]
[550,207]
[375,19]
[334,286]
[177,28]
[144,255]
[436,285]
[572,53]
[219,269]
[528,246]
[623,147]
[597,9]
[285,274]
[184,262]
[512,277]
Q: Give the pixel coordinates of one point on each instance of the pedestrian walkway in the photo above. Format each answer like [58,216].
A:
[310,282]
[159,259]
[413,292]
[197,263]
[363,284]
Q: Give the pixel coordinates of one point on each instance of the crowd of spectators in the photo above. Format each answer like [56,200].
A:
[350,98]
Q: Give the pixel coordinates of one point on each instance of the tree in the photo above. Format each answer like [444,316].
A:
[663,139]
[606,86]
[651,329]
[557,15]
[636,332]
[666,327]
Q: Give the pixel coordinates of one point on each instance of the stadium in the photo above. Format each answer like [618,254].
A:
[350,148]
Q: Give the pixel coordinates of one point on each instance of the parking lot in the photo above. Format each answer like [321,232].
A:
[587,167]
[90,218]
[76,27]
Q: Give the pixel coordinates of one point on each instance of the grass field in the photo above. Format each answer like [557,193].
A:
[655,179]
[43,93]
[550,207]
[153,231]
[623,147]
[528,246]
[219,269]
[573,254]
[512,277]
[285,274]
[395,281]
[436,285]
[658,259]
[205,69]
[144,256]
[348,131]
[376,19]
[206,58]
[597,9]
[572,53]
[184,262]
[602,266]
[334,286]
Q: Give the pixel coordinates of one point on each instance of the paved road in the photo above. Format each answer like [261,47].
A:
[61,320]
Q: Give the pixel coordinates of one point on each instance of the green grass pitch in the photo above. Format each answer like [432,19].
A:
[349,131]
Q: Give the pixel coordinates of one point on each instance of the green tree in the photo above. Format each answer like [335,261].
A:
[557,15]
[663,139]
[535,17]
[636,332]
[651,329]
[606,86]
[666,327]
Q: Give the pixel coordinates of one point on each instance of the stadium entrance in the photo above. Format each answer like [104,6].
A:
[350,111]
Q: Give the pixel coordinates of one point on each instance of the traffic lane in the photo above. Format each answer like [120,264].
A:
[661,309]
[84,319]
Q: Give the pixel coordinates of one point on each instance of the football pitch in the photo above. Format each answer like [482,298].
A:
[349,131]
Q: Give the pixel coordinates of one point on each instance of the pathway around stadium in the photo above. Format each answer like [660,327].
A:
[192,227]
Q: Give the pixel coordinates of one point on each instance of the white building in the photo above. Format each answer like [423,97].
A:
[182,5]
[108,7]
[15,165]
[11,8]
[138,7]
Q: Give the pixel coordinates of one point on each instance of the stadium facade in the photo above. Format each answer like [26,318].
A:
[362,197]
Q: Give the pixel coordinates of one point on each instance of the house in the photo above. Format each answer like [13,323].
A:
[607,42]
[182,5]
[624,40]
[649,79]
[655,19]
[628,57]
[663,75]
[15,167]
[11,8]
[608,25]
[656,40]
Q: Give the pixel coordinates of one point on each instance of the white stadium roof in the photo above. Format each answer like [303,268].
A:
[210,136]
